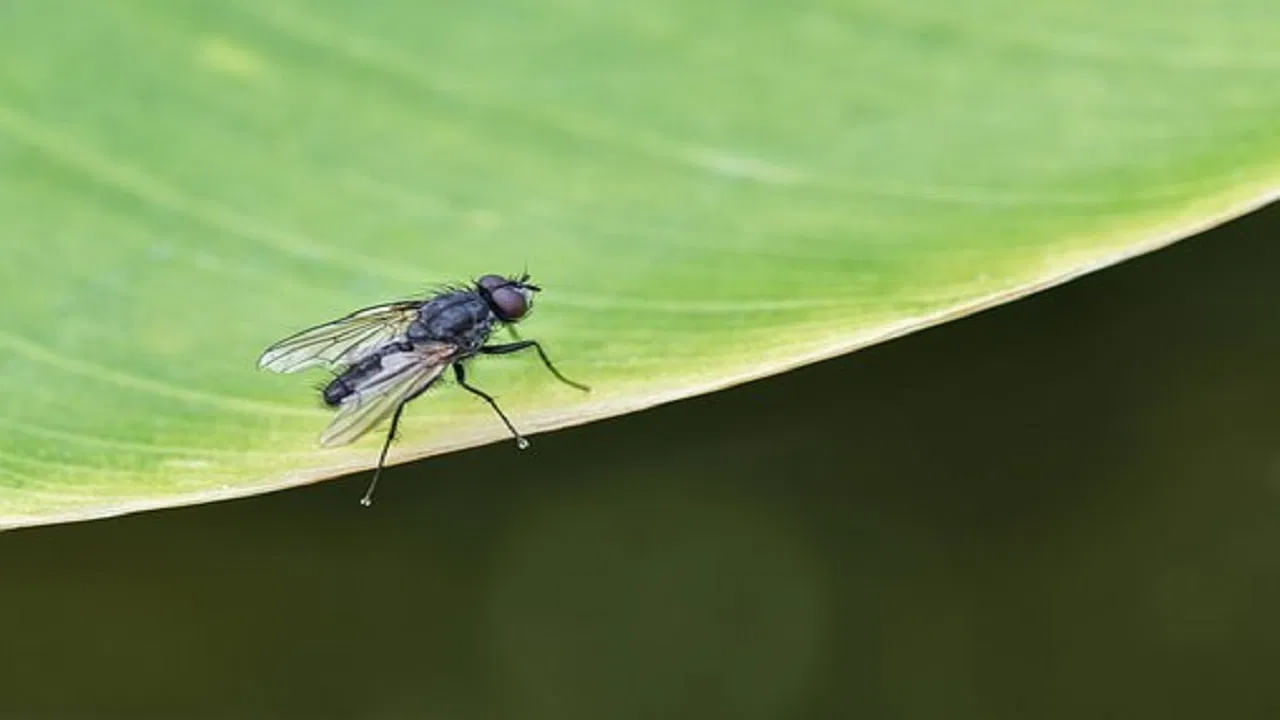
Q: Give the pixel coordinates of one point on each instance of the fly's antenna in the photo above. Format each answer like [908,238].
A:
[367,500]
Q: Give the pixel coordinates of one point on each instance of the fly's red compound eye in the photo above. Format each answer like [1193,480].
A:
[510,302]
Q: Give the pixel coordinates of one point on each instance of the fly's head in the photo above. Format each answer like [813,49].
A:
[510,298]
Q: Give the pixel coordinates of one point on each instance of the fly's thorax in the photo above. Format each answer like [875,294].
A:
[462,318]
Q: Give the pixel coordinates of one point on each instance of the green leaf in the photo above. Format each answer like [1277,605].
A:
[709,192]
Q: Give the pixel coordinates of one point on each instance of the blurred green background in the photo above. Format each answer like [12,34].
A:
[1066,507]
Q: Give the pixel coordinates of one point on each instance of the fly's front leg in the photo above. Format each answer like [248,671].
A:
[523,344]
[461,375]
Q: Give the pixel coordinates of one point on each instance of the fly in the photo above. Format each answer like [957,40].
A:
[386,355]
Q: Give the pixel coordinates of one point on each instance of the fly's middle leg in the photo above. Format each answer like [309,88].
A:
[461,375]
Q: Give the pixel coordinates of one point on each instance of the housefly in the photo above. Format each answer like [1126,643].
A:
[386,355]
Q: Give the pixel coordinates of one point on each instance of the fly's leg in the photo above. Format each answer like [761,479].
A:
[523,344]
[461,375]
[367,500]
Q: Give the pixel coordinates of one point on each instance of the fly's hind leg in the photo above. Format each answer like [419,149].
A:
[461,375]
[367,500]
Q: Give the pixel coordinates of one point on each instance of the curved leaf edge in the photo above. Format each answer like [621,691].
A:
[1147,238]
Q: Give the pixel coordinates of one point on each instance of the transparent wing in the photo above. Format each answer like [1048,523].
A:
[377,396]
[342,341]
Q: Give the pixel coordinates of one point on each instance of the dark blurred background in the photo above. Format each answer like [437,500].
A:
[1065,507]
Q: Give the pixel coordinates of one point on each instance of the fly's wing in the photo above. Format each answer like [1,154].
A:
[342,341]
[376,396]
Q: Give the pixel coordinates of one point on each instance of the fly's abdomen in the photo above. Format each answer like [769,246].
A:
[336,391]
[342,387]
